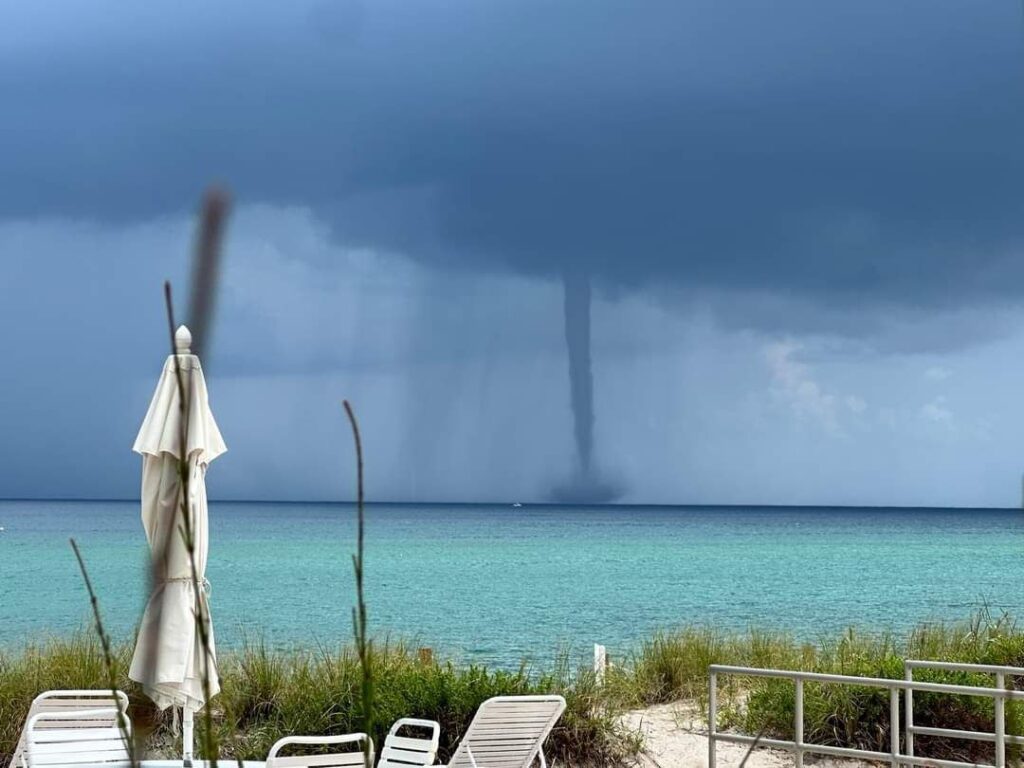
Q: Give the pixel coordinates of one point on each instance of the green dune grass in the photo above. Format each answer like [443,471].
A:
[673,666]
[271,693]
[267,694]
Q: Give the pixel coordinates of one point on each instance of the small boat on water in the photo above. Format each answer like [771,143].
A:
[514,504]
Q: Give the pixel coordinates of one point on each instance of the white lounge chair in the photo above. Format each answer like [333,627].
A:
[398,752]
[65,739]
[410,751]
[346,759]
[508,732]
[94,713]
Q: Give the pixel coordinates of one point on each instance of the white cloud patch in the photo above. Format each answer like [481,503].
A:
[937,373]
[794,382]
[855,404]
[938,412]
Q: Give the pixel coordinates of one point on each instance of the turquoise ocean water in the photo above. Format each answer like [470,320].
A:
[499,584]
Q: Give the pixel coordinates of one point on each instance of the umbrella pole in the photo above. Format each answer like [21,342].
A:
[186,736]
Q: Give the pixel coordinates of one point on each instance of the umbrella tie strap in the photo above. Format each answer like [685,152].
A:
[204,583]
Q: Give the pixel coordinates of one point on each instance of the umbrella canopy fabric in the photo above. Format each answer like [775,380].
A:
[168,659]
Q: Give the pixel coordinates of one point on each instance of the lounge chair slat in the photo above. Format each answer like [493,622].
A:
[402,756]
[503,744]
[503,749]
[72,725]
[65,741]
[319,761]
[400,742]
[112,755]
[51,735]
[505,732]
[500,717]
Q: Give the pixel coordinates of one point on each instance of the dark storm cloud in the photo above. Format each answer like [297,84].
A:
[829,151]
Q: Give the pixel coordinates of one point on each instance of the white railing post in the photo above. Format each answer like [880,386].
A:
[712,718]
[908,710]
[798,724]
[1000,705]
[894,726]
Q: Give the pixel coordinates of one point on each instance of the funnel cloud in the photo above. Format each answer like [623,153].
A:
[585,486]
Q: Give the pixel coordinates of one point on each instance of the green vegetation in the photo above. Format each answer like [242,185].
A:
[674,665]
[268,693]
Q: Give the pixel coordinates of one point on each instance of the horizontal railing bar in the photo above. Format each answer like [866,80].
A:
[975,735]
[955,666]
[739,738]
[863,754]
[869,682]
[922,730]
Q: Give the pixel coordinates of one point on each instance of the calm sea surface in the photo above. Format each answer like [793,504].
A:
[499,584]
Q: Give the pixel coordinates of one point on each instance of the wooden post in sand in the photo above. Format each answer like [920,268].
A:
[600,662]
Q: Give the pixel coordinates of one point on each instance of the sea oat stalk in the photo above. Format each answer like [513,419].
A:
[108,657]
[204,278]
[364,647]
[201,615]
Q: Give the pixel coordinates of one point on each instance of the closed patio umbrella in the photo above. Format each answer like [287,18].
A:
[168,659]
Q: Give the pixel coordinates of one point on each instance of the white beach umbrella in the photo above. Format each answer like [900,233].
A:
[168,659]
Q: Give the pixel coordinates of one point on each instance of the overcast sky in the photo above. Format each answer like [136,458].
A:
[802,221]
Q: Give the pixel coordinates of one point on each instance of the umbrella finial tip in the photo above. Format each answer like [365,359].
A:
[182,340]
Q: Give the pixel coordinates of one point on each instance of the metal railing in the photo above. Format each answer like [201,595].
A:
[894,756]
[1000,738]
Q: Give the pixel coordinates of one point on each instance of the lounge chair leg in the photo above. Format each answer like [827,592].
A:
[186,737]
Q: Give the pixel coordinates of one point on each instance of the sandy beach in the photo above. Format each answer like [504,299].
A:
[676,736]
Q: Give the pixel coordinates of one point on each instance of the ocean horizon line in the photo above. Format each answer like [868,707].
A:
[544,504]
